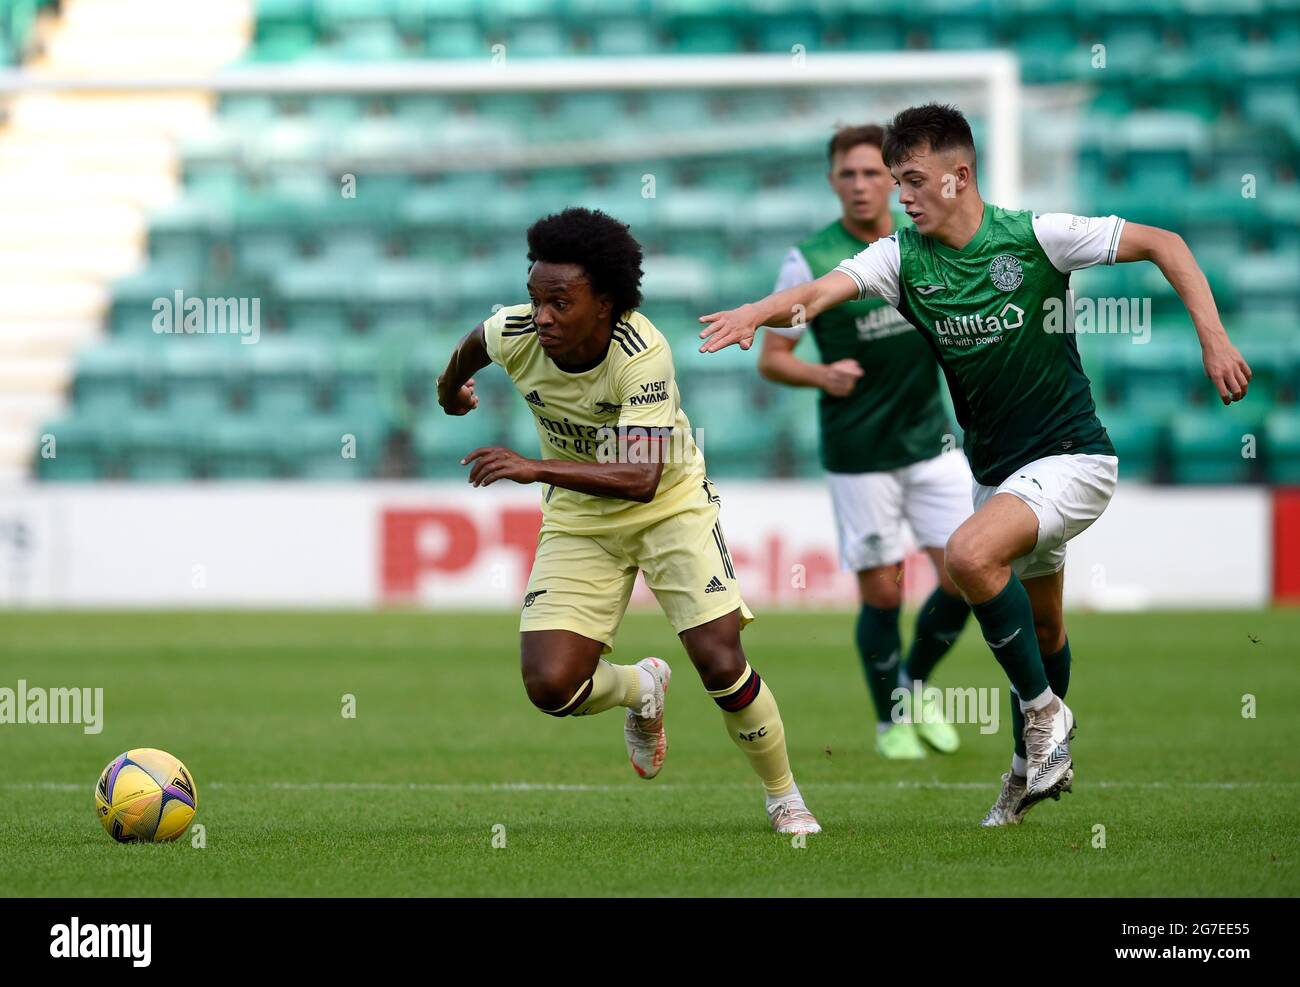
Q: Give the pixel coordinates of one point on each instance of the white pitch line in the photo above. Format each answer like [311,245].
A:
[525,786]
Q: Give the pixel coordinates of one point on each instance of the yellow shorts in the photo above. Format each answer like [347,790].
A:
[582,583]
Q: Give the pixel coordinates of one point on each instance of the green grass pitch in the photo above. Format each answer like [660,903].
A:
[403,799]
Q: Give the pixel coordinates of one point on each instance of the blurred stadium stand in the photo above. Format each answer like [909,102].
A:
[361,299]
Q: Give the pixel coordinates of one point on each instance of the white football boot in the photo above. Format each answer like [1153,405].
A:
[1013,803]
[1047,741]
[644,728]
[789,815]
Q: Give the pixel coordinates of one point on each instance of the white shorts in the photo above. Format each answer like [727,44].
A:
[1066,494]
[932,495]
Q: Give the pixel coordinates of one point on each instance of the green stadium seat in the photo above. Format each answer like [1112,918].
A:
[82,449]
[197,375]
[282,43]
[622,36]
[1274,363]
[160,449]
[1138,440]
[1152,378]
[107,379]
[509,11]
[286,377]
[780,33]
[705,35]
[957,32]
[1283,450]
[441,441]
[1049,47]
[1132,41]
[243,447]
[455,39]
[284,12]
[521,432]
[1206,446]
[335,448]
[538,39]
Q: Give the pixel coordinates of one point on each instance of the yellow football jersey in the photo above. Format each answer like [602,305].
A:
[577,414]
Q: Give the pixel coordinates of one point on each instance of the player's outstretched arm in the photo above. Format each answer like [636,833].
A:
[1224,365]
[783,308]
[456,384]
[636,481]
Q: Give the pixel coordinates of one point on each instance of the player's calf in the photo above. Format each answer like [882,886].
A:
[751,716]
[564,676]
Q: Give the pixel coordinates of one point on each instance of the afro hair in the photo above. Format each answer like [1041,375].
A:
[600,245]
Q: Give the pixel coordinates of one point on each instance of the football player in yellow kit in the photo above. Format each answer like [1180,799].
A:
[624,491]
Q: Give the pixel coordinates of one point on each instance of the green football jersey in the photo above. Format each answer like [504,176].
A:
[895,414]
[1017,384]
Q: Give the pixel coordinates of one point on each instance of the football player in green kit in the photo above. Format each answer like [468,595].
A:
[886,445]
[985,287]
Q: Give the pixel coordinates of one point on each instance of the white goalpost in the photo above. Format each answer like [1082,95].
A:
[989,79]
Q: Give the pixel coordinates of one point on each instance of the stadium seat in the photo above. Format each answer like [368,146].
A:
[106,379]
[1215,445]
[161,449]
[440,442]
[242,448]
[1283,452]
[81,451]
[197,375]
[1138,438]
[286,376]
[337,448]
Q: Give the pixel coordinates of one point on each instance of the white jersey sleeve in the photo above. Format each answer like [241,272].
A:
[875,270]
[794,271]
[1075,242]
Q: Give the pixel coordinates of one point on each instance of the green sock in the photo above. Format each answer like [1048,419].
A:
[1057,667]
[937,626]
[879,646]
[1007,621]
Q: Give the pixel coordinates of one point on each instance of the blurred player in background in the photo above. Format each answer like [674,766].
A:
[987,289]
[883,432]
[625,491]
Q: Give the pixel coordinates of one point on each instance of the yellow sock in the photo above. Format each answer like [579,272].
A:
[750,713]
[612,685]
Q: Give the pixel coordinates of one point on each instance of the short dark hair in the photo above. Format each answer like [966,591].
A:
[599,244]
[847,138]
[933,126]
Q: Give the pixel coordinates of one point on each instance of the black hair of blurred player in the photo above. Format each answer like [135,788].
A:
[584,275]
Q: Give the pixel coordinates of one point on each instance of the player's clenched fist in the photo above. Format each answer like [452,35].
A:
[1227,370]
[460,401]
[839,378]
[492,463]
[724,328]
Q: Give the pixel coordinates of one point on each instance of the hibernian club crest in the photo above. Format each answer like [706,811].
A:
[1006,272]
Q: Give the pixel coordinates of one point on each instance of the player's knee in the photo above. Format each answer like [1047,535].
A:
[946,583]
[1051,634]
[963,560]
[549,689]
[721,665]
[881,594]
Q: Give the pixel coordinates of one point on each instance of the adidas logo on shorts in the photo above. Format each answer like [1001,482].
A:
[715,586]
[535,399]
